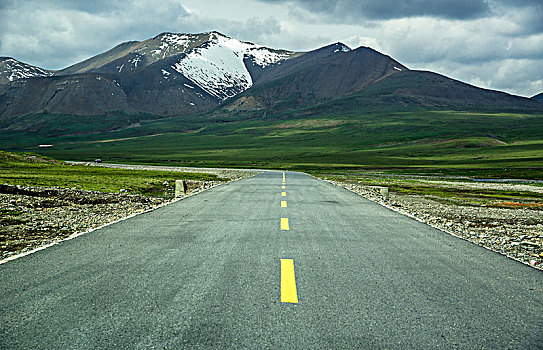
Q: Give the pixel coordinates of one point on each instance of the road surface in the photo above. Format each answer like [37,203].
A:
[254,265]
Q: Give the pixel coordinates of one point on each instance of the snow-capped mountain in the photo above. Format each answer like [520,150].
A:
[169,74]
[218,66]
[212,61]
[178,74]
[11,70]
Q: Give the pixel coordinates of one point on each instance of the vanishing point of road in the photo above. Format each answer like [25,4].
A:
[270,262]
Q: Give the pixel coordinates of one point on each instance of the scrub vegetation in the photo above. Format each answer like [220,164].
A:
[446,190]
[30,169]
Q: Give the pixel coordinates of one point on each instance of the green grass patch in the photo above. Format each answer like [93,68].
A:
[334,136]
[22,169]
[4,212]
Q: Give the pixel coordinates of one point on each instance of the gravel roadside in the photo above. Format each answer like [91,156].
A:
[516,233]
[34,217]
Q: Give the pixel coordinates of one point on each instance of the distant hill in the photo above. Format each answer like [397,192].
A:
[324,74]
[170,74]
[187,74]
[538,97]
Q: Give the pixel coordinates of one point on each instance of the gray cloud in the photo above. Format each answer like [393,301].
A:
[55,34]
[518,3]
[491,43]
[527,13]
[356,10]
[252,29]
[426,40]
[95,6]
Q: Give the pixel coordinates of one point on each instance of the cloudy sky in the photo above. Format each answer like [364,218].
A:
[495,44]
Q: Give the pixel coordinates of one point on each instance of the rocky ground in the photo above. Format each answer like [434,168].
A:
[31,217]
[517,233]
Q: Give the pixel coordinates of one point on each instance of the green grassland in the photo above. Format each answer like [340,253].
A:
[335,136]
[33,170]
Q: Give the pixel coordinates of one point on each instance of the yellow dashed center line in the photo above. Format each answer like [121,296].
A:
[284,224]
[289,294]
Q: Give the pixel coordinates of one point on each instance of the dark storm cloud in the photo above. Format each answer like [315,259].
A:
[356,10]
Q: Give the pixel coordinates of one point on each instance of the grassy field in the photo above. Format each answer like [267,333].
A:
[33,170]
[481,143]
[448,192]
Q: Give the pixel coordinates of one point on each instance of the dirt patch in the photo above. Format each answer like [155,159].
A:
[33,216]
[123,139]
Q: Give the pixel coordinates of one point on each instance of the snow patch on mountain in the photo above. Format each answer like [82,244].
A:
[342,48]
[134,61]
[165,74]
[217,66]
[167,44]
[11,69]
[263,56]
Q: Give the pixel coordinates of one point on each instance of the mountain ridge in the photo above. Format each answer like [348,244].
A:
[12,69]
[339,70]
[175,74]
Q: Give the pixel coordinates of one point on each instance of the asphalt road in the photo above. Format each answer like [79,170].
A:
[206,273]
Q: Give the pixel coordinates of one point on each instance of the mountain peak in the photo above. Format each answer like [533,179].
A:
[218,34]
[333,48]
[212,35]
[183,73]
[341,47]
[218,65]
